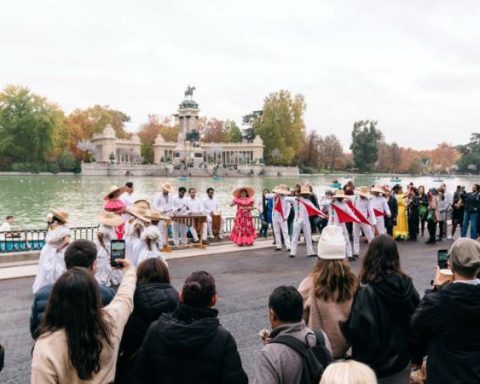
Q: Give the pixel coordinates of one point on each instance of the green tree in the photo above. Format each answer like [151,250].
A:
[365,144]
[233,132]
[469,161]
[281,127]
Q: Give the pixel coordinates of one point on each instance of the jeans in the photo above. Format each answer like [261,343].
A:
[472,219]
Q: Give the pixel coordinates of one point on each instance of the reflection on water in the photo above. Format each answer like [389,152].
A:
[28,198]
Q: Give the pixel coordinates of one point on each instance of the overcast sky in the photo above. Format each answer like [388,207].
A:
[412,65]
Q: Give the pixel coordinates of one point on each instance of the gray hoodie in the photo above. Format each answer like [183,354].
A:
[279,364]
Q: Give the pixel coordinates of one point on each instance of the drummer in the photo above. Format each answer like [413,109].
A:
[211,207]
[195,206]
[179,209]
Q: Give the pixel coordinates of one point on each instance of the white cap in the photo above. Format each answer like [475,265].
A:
[331,245]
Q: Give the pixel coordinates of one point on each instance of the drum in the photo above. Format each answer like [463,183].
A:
[216,224]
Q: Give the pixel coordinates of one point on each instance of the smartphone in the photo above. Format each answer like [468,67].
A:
[442,258]
[117,251]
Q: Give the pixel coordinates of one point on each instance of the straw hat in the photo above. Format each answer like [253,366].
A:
[363,191]
[155,216]
[331,245]
[167,187]
[110,219]
[138,212]
[142,204]
[250,191]
[117,191]
[378,189]
[59,214]
[305,190]
[281,189]
[339,194]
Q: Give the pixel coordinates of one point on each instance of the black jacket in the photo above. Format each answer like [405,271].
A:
[393,205]
[40,301]
[472,202]
[150,301]
[447,322]
[378,327]
[189,346]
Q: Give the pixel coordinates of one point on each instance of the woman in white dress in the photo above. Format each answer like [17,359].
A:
[105,234]
[52,264]
[135,228]
[152,240]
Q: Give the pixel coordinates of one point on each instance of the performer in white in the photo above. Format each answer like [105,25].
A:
[195,206]
[152,239]
[363,203]
[281,210]
[163,203]
[134,229]
[180,208]
[301,221]
[211,207]
[338,205]
[127,196]
[380,208]
[52,264]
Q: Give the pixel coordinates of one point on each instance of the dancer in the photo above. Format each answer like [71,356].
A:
[243,231]
[211,207]
[127,196]
[400,231]
[51,264]
[117,206]
[152,239]
[179,209]
[281,210]
[163,203]
[380,207]
[363,209]
[195,207]
[136,226]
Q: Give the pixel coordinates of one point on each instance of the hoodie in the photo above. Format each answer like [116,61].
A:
[378,327]
[447,325]
[189,346]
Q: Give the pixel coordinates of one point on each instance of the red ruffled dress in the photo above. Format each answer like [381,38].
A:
[243,232]
[116,206]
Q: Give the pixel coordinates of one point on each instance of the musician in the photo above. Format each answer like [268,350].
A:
[363,203]
[211,206]
[163,203]
[195,206]
[380,207]
[180,208]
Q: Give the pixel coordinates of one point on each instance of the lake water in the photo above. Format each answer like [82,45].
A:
[28,198]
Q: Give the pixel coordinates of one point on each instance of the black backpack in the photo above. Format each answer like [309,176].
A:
[315,359]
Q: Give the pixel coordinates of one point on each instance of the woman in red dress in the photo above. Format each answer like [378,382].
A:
[243,232]
[117,206]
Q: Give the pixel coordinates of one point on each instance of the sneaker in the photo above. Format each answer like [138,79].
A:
[449,237]
[278,249]
[291,256]
[220,237]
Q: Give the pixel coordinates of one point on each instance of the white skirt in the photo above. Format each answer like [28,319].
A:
[51,265]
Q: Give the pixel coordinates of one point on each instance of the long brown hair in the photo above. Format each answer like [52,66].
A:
[76,307]
[152,270]
[333,280]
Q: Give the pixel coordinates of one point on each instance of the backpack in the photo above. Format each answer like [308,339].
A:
[315,359]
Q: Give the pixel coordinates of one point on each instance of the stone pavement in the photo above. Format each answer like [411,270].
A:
[244,282]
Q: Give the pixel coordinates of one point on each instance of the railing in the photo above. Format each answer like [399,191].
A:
[34,239]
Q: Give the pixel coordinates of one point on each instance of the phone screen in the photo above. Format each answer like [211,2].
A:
[117,251]
[442,258]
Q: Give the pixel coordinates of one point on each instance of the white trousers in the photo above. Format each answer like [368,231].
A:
[346,235]
[193,231]
[209,225]
[162,226]
[280,227]
[381,225]
[307,232]
[367,230]
[182,229]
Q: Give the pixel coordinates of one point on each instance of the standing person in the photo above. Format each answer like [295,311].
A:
[362,203]
[400,231]
[79,339]
[114,204]
[446,321]
[180,209]
[412,214]
[314,220]
[189,345]
[380,207]
[51,264]
[243,231]
[163,203]
[338,207]
[265,207]
[378,328]
[135,228]
[443,207]
[127,196]
[212,208]
[153,296]
[390,221]
[195,206]
[7,225]
[349,189]
[458,210]
[281,211]
[152,239]
[329,289]
[422,208]
[433,215]
[301,206]
[470,218]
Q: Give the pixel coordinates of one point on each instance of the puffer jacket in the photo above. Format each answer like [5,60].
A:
[150,301]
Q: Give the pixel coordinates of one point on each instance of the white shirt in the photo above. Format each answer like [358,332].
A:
[365,206]
[210,205]
[5,227]
[194,205]
[286,206]
[332,214]
[301,213]
[380,203]
[180,205]
[128,199]
[163,204]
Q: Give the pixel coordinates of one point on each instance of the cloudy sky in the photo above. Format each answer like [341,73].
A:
[413,65]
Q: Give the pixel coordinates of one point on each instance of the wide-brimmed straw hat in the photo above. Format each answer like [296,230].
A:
[116,191]
[281,189]
[166,186]
[377,189]
[59,214]
[138,212]
[155,216]
[250,191]
[141,203]
[331,245]
[339,194]
[363,191]
[110,219]
[305,190]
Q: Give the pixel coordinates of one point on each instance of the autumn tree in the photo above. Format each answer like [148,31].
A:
[365,144]
[151,129]
[213,131]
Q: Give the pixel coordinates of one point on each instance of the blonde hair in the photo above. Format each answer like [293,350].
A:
[348,372]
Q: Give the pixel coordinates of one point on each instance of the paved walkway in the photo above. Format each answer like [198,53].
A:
[244,282]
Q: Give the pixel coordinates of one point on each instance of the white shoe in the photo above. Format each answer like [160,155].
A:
[211,237]
[220,237]
[449,237]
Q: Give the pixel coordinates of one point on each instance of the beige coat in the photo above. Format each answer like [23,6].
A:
[50,362]
[326,316]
